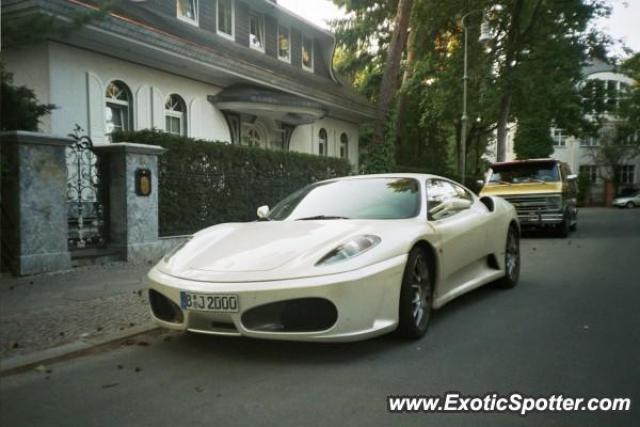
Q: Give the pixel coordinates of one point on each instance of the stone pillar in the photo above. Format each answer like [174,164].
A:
[34,210]
[133,218]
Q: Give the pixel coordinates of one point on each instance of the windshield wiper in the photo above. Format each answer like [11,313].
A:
[311,218]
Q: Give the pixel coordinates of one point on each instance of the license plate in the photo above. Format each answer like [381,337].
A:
[206,302]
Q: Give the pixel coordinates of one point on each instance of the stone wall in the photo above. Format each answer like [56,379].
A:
[34,217]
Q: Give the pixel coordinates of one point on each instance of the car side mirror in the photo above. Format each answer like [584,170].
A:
[263,212]
[480,183]
[572,177]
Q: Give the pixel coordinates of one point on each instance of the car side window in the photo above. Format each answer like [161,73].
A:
[445,199]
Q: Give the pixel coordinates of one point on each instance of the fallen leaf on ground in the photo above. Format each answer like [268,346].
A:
[110,385]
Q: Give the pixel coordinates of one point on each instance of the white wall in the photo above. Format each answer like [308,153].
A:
[79,79]
[305,138]
[30,67]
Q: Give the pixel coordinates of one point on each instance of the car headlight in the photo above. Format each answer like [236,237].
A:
[175,250]
[351,248]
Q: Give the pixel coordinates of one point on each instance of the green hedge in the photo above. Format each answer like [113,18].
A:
[203,183]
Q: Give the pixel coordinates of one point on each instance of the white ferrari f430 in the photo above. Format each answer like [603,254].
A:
[339,260]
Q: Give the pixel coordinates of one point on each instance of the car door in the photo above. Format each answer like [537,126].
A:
[462,232]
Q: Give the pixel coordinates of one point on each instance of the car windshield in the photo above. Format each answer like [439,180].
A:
[517,173]
[628,193]
[369,198]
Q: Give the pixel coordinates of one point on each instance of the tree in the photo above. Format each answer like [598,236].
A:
[540,49]
[533,140]
[530,75]
[19,107]
[389,83]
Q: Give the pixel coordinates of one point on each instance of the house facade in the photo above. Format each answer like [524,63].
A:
[240,71]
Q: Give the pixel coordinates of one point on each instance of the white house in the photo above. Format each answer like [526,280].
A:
[240,71]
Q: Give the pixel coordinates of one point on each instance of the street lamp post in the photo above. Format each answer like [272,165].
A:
[485,36]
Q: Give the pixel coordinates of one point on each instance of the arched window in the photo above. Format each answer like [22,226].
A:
[323,142]
[254,139]
[255,134]
[175,112]
[119,109]
[344,146]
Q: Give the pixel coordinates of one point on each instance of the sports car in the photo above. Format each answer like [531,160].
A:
[339,260]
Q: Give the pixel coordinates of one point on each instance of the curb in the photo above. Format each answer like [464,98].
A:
[22,363]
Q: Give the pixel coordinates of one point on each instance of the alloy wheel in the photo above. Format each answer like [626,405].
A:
[421,292]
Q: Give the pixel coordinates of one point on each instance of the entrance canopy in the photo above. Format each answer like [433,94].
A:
[260,102]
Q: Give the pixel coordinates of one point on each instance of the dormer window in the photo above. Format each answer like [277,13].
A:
[188,11]
[256,33]
[284,43]
[226,18]
[307,53]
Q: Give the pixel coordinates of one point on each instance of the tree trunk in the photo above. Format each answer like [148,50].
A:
[389,83]
[503,122]
[403,98]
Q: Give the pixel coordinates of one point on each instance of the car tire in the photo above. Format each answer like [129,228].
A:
[630,205]
[416,296]
[511,260]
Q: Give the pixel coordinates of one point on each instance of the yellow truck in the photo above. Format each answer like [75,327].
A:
[543,191]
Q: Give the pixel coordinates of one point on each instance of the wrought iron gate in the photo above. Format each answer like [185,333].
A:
[86,196]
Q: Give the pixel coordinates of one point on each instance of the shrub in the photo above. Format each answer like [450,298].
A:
[203,183]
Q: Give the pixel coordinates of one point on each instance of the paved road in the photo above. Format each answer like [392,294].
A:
[571,327]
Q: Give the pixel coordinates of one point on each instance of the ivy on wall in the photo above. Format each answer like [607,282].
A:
[203,183]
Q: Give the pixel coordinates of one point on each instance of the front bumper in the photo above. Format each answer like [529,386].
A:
[540,218]
[366,301]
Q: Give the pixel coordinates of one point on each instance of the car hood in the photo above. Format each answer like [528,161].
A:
[521,189]
[275,250]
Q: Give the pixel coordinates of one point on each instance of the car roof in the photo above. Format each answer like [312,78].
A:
[418,176]
[520,162]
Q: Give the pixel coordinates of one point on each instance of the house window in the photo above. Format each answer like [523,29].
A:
[559,139]
[175,111]
[119,110]
[307,53]
[323,142]
[590,171]
[590,141]
[344,146]
[256,33]
[625,174]
[254,139]
[226,18]
[188,11]
[284,45]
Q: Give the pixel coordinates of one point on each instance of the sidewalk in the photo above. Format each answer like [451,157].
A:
[57,309]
